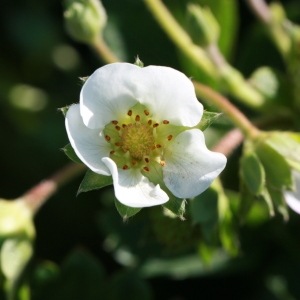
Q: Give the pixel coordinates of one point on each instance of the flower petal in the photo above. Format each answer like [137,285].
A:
[87,143]
[292,198]
[108,94]
[133,189]
[169,95]
[190,167]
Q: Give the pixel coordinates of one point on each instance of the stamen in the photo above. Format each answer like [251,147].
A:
[150,122]
[124,125]
[147,160]
[146,112]
[111,152]
[107,138]
[153,147]
[115,122]
[133,162]
[146,169]
[129,113]
[158,146]
[155,125]
[137,118]
[118,128]
[125,167]
[166,122]
[118,144]
[163,163]
[170,137]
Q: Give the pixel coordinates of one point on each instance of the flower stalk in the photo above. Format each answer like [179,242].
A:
[104,51]
[236,116]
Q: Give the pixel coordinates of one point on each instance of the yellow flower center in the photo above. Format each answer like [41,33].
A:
[138,139]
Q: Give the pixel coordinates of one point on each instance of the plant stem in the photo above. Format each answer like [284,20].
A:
[235,115]
[180,37]
[104,51]
[38,195]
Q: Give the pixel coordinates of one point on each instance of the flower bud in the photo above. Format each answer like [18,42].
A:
[203,26]
[84,19]
[15,219]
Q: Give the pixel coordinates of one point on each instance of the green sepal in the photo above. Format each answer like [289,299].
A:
[94,181]
[278,171]
[64,110]
[207,119]
[69,151]
[268,199]
[175,205]
[253,173]
[279,202]
[126,211]
[246,202]
[138,62]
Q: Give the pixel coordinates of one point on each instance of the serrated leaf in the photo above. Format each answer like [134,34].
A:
[278,172]
[93,181]
[126,211]
[207,119]
[69,151]
[253,173]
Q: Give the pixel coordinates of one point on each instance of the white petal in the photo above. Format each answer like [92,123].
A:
[133,189]
[292,198]
[87,143]
[108,94]
[169,95]
[190,167]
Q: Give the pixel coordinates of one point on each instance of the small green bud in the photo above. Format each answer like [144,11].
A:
[15,219]
[203,26]
[84,19]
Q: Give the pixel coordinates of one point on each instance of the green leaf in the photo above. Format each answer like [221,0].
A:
[69,151]
[279,203]
[126,211]
[207,119]
[253,173]
[278,172]
[93,181]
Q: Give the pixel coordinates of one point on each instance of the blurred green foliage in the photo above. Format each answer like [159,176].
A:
[83,248]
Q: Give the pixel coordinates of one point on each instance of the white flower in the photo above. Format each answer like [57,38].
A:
[132,122]
[292,198]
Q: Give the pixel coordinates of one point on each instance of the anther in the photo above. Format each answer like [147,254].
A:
[147,160]
[137,118]
[118,128]
[115,122]
[155,125]
[158,146]
[111,152]
[170,137]
[153,147]
[129,113]
[124,125]
[146,112]
[163,163]
[149,122]
[146,169]
[117,144]
[107,138]
[166,122]
[133,162]
[125,167]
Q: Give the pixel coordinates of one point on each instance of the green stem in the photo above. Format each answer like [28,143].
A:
[40,193]
[104,51]
[236,116]
[180,37]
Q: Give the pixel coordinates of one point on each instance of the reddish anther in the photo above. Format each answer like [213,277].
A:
[107,138]
[117,144]
[163,163]
[125,167]
[150,122]
[170,137]
[147,160]
[129,113]
[166,122]
[111,152]
[137,118]
[155,125]
[115,122]
[146,112]
[158,146]
[118,128]
[124,125]
[146,169]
